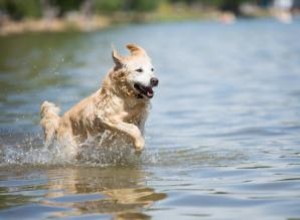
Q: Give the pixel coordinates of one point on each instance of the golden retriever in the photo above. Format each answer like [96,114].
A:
[120,106]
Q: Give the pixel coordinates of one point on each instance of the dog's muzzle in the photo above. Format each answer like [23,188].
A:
[147,90]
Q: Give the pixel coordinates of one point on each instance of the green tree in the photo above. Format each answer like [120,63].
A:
[19,9]
[108,5]
[142,5]
[66,5]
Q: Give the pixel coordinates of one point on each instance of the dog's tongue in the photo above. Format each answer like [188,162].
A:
[149,92]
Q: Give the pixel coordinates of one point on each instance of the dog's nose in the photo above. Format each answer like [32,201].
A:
[154,81]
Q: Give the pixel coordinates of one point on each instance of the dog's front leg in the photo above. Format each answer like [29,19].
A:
[130,129]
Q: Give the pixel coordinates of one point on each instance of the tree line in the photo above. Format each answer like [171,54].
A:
[19,9]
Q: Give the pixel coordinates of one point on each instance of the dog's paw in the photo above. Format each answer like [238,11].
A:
[139,144]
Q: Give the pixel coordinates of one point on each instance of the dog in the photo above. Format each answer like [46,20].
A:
[120,106]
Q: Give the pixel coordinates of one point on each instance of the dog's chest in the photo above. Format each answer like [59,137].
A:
[136,115]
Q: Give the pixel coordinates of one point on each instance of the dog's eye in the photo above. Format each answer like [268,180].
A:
[152,69]
[139,70]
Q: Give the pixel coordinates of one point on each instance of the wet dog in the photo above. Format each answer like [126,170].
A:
[120,106]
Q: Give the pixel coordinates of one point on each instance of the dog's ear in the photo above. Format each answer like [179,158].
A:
[117,59]
[136,50]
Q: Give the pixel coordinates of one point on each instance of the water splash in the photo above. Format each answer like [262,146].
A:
[29,150]
[19,150]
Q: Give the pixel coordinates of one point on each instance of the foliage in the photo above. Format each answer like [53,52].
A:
[18,9]
[216,3]
[143,5]
[108,5]
[66,5]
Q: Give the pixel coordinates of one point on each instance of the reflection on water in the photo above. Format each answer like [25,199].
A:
[78,191]
[121,195]
[222,137]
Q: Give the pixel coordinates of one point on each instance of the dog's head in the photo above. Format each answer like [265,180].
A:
[136,70]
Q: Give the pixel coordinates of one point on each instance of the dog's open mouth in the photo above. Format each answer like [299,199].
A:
[144,90]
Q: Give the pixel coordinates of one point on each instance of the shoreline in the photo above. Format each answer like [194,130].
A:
[77,22]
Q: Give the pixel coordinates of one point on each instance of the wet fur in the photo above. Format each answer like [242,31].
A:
[116,107]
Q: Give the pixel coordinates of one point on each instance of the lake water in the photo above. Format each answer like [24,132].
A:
[222,139]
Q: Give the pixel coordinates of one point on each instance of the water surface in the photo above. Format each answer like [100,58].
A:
[223,136]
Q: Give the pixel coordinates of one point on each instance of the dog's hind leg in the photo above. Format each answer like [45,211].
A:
[49,121]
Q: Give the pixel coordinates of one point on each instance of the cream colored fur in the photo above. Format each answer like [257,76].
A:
[117,107]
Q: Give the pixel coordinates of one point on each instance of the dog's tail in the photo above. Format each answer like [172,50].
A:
[49,120]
